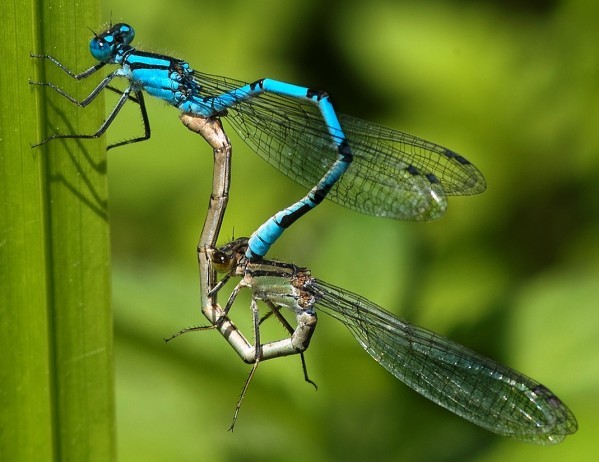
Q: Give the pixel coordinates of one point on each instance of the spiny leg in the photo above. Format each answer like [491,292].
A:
[258,346]
[104,84]
[190,329]
[218,321]
[88,99]
[86,73]
[277,313]
[138,99]
[102,128]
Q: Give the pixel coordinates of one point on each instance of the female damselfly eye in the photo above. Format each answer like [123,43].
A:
[222,261]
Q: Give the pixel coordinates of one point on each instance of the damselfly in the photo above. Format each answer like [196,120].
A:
[358,164]
[472,386]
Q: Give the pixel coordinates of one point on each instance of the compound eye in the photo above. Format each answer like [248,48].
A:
[221,261]
[102,48]
[124,33]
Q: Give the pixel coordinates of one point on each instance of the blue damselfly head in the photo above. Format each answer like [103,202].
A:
[105,46]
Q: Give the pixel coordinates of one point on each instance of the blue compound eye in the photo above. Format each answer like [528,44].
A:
[105,46]
[123,33]
[102,47]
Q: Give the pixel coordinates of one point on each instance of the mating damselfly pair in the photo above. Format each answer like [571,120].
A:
[360,165]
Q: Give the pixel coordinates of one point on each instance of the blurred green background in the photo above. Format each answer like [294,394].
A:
[512,273]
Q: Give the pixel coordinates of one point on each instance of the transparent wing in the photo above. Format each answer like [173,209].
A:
[474,387]
[391,172]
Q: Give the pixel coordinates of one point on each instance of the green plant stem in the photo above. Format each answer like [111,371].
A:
[57,366]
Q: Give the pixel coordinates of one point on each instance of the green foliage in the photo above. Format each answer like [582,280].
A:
[57,367]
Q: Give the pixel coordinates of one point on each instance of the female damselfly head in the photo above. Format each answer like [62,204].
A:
[105,46]
[225,258]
